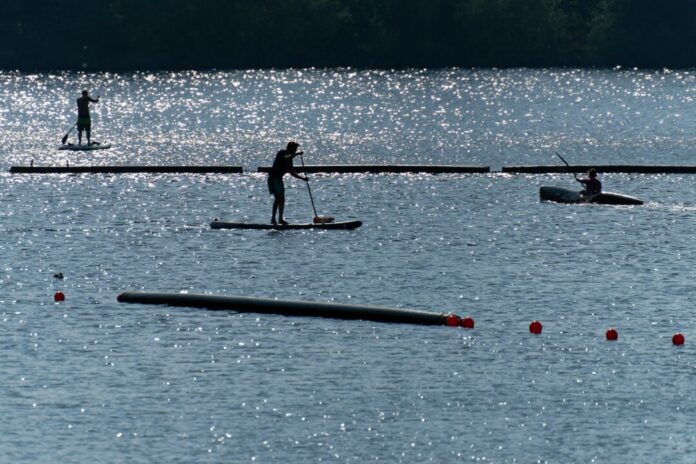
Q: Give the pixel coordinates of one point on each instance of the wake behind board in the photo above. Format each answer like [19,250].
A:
[326,226]
[94,146]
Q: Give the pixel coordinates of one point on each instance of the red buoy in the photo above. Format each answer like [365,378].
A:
[468,322]
[678,339]
[612,334]
[453,320]
[535,327]
[59,296]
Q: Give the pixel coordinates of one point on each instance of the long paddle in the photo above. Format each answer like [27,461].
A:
[317,219]
[65,137]
[566,163]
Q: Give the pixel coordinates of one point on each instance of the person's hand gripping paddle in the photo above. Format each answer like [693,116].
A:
[317,219]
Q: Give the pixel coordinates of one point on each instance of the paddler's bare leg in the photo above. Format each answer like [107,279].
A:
[279,206]
[281,209]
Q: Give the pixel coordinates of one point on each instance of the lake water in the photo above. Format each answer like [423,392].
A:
[93,380]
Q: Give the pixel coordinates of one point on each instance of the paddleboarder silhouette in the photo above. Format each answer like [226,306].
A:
[282,165]
[84,122]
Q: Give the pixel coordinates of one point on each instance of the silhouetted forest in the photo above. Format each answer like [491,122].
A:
[118,35]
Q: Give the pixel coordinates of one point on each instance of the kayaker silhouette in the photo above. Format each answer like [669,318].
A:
[592,185]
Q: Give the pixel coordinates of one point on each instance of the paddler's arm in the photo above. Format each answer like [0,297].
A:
[585,184]
[297,175]
[294,173]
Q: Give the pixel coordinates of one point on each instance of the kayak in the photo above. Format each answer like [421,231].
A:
[94,146]
[326,226]
[563,195]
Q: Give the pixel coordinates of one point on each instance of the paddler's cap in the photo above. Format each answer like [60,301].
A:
[292,146]
[592,172]
[85,93]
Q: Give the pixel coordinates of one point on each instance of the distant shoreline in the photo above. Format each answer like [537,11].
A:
[352,69]
[170,35]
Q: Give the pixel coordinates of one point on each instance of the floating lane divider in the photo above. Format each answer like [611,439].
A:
[386,168]
[126,169]
[618,168]
[292,308]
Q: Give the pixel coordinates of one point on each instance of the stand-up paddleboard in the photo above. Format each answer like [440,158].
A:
[325,226]
[93,146]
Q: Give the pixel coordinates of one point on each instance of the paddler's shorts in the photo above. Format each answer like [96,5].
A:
[84,123]
[275,186]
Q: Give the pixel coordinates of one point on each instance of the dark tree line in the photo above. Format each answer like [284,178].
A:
[118,35]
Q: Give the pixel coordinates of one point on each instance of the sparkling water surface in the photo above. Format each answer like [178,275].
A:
[91,379]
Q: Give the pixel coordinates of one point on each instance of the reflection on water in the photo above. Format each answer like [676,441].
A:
[491,117]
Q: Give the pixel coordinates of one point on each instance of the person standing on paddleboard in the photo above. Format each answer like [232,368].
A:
[84,122]
[592,185]
[282,165]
